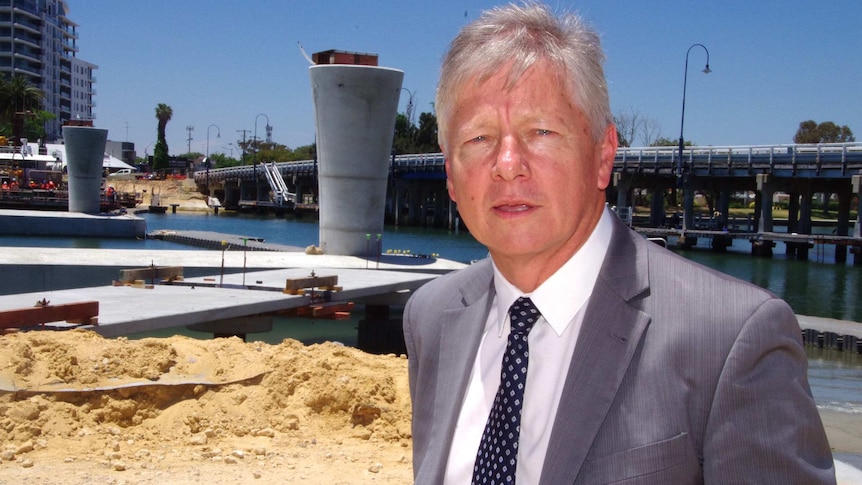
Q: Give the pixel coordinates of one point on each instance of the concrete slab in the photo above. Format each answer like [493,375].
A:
[125,310]
[28,270]
[14,222]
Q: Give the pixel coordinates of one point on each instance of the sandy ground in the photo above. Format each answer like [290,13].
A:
[76,408]
[79,409]
[182,192]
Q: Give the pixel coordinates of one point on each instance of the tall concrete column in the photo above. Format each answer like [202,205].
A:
[355,108]
[857,188]
[766,191]
[85,153]
[656,212]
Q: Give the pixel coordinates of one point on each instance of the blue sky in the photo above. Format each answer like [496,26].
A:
[225,62]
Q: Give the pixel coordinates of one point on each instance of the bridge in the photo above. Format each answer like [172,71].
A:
[653,176]
[840,160]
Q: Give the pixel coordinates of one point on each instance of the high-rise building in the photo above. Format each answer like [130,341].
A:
[39,41]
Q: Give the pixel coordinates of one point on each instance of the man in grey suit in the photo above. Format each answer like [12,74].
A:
[643,367]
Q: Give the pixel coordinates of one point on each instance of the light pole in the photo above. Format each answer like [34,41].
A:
[256,148]
[146,155]
[680,168]
[207,159]
[409,108]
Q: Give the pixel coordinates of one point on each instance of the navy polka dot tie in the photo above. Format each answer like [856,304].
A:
[497,457]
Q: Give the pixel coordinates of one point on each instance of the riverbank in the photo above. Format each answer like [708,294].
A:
[180,410]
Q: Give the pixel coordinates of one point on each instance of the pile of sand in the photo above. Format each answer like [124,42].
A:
[78,408]
[183,192]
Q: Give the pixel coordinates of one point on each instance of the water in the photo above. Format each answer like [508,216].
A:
[818,287]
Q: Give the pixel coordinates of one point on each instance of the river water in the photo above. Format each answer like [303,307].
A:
[817,287]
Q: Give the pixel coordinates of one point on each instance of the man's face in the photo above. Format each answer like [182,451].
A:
[523,167]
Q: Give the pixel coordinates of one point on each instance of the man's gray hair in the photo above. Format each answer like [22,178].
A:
[517,37]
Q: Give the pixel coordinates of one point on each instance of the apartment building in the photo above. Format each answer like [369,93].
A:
[39,41]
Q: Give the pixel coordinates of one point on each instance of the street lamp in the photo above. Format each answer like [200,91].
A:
[256,148]
[680,175]
[409,106]
[146,155]
[207,159]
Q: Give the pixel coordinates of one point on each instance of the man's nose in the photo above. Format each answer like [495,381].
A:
[510,162]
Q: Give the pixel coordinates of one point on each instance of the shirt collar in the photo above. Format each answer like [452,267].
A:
[561,297]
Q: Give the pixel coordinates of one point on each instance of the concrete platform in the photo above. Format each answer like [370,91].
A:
[28,270]
[125,310]
[70,224]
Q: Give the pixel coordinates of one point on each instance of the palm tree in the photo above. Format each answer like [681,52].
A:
[18,98]
[160,152]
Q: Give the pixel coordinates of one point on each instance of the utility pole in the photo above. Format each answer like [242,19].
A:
[242,156]
[190,129]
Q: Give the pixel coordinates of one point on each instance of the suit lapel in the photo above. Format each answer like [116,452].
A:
[609,336]
[460,335]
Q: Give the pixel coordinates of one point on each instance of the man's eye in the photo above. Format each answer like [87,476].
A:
[478,139]
[543,132]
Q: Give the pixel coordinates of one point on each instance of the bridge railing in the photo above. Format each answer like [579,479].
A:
[839,159]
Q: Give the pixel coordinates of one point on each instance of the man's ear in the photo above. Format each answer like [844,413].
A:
[607,153]
[450,184]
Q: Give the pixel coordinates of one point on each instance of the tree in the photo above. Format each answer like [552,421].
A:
[667,142]
[628,124]
[632,126]
[164,113]
[404,140]
[827,132]
[650,131]
[426,136]
[19,100]
[412,139]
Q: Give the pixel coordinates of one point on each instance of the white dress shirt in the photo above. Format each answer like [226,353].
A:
[560,299]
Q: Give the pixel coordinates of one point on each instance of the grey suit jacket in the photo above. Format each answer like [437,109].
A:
[680,375]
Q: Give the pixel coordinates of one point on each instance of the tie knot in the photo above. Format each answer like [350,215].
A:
[523,314]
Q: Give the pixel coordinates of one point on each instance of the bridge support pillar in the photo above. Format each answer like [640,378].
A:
[765,192]
[623,186]
[453,214]
[857,228]
[656,210]
[355,108]
[232,194]
[800,250]
[688,204]
[723,207]
[85,151]
[843,227]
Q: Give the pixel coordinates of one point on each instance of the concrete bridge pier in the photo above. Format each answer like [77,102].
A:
[623,184]
[656,211]
[763,212]
[800,250]
[85,152]
[414,205]
[723,208]
[688,204]
[441,205]
[453,221]
[355,108]
[843,228]
[856,183]
[232,194]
